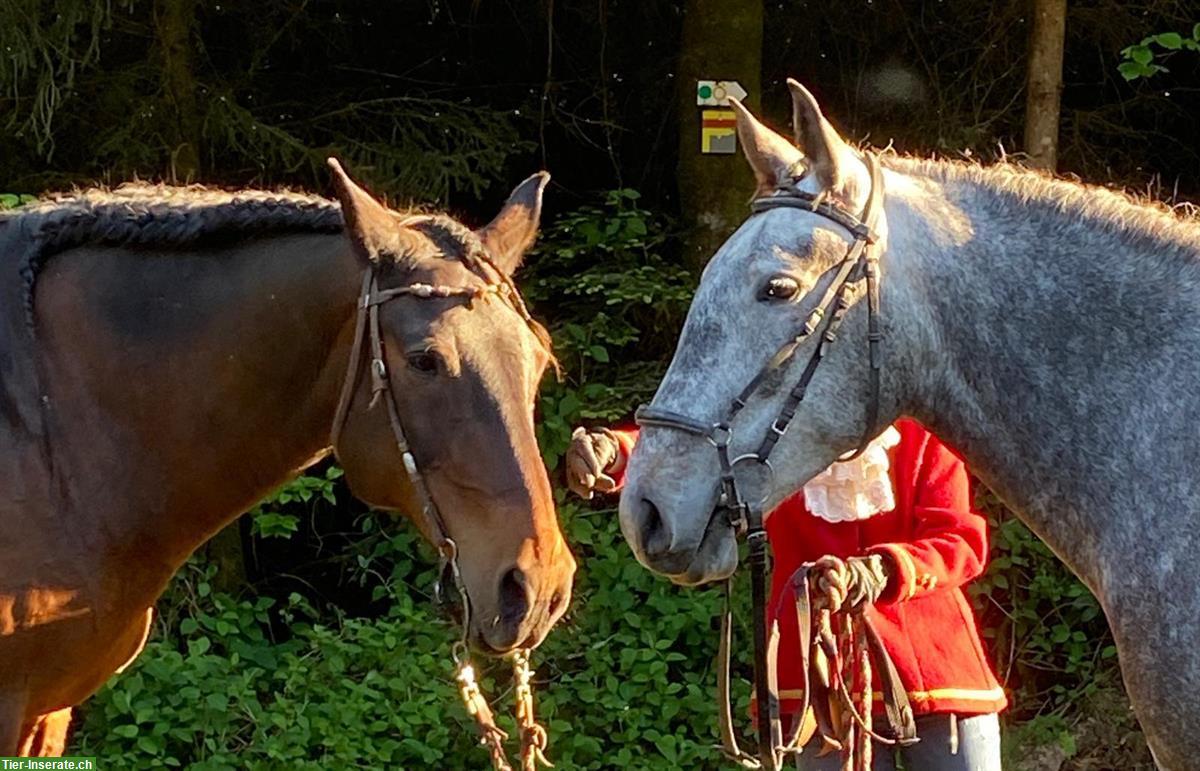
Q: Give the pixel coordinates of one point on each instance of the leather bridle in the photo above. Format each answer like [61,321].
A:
[860,264]
[367,330]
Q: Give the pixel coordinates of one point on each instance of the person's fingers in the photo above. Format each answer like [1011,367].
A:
[577,466]
[585,448]
[828,562]
[832,584]
[580,476]
[834,577]
[579,487]
[832,596]
[607,451]
[585,467]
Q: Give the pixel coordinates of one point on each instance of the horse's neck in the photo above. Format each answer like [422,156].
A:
[185,387]
[1051,356]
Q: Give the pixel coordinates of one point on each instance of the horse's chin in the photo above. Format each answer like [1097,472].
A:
[716,559]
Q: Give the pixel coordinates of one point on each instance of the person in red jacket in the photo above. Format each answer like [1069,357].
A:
[894,525]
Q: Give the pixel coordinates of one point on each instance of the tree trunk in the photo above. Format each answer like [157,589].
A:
[174,21]
[1043,92]
[226,552]
[721,40]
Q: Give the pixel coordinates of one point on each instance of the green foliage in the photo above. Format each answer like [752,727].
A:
[228,683]
[46,46]
[269,520]
[1047,632]
[215,690]
[616,298]
[101,83]
[1141,60]
[1040,731]
[422,148]
[13,200]
[632,680]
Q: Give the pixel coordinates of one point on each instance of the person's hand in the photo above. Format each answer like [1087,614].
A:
[847,584]
[592,456]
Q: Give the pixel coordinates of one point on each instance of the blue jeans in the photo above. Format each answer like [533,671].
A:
[978,748]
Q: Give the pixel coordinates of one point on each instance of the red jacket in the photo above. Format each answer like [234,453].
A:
[934,543]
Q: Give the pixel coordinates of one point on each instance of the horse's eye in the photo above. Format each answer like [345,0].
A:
[425,362]
[779,288]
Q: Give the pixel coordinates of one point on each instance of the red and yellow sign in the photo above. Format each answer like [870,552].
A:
[718,132]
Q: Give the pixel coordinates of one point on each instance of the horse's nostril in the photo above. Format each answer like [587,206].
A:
[556,603]
[514,602]
[656,538]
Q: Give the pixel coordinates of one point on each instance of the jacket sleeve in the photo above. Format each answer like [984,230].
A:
[948,547]
[626,439]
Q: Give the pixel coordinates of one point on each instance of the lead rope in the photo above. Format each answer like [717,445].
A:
[845,650]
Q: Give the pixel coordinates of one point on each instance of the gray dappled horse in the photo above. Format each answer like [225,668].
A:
[1049,331]
[170,356]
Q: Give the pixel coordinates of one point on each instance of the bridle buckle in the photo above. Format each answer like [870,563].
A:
[738,517]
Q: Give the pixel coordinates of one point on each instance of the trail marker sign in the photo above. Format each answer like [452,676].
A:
[718,132]
[718,128]
[715,93]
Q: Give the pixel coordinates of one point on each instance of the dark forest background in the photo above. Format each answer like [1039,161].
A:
[303,635]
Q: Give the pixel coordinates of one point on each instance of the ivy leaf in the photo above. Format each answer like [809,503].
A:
[1132,70]
[1172,41]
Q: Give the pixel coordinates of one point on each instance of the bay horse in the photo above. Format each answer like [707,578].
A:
[169,356]
[1049,331]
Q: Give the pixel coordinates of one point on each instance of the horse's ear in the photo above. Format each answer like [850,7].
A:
[821,144]
[770,155]
[514,229]
[371,227]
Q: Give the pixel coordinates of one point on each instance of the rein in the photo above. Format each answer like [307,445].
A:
[840,649]
[533,738]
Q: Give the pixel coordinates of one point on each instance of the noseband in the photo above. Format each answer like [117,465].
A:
[371,297]
[745,516]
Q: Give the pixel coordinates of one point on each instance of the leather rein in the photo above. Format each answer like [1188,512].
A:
[367,330]
[822,652]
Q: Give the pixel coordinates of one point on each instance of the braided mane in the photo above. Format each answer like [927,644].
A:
[162,215]
[157,215]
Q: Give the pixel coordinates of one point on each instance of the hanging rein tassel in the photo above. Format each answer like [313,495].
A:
[533,736]
[490,734]
[862,689]
[844,649]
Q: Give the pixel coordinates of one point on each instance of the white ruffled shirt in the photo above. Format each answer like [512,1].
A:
[857,489]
